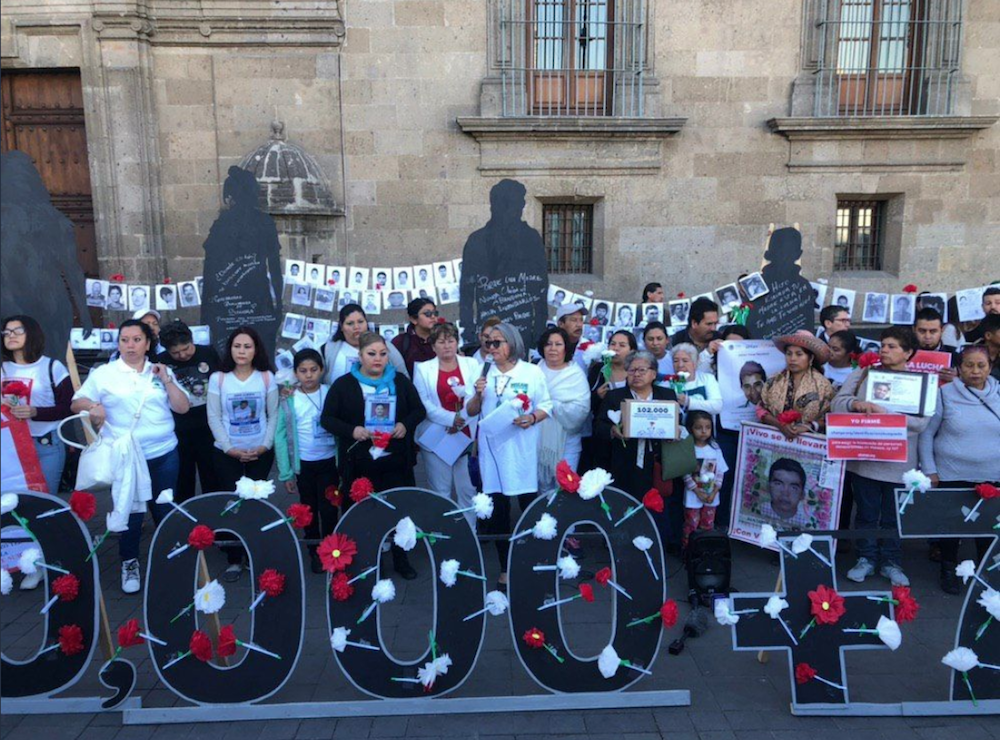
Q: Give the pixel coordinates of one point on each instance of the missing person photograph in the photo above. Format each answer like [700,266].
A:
[423,276]
[557,296]
[109,340]
[728,297]
[456,268]
[301,294]
[188,294]
[138,297]
[592,333]
[371,302]
[402,278]
[315,274]
[444,274]
[357,278]
[970,304]
[754,286]
[935,301]
[428,293]
[347,297]
[335,277]
[116,297]
[602,313]
[318,330]
[902,309]
[819,294]
[295,271]
[395,300]
[388,331]
[876,308]
[97,293]
[380,412]
[382,278]
[324,299]
[284,360]
[78,341]
[582,301]
[293,325]
[448,293]
[166,297]
[625,316]
[844,298]
[202,335]
[679,311]
[652,312]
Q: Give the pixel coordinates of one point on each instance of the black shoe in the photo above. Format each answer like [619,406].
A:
[949,580]
[934,553]
[315,564]
[501,587]
[401,564]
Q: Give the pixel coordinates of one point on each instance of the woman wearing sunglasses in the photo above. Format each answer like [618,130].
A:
[415,344]
[515,392]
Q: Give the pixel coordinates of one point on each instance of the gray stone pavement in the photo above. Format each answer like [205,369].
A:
[732,695]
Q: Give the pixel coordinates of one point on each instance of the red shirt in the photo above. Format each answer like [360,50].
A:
[449,399]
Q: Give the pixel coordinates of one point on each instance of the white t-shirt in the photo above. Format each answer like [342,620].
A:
[347,358]
[837,375]
[36,377]
[244,408]
[713,454]
[315,442]
[665,366]
[120,389]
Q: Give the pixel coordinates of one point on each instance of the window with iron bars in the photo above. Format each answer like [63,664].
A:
[887,57]
[571,57]
[569,237]
[859,238]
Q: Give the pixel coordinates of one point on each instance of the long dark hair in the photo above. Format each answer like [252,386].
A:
[147,332]
[344,313]
[650,287]
[34,339]
[261,359]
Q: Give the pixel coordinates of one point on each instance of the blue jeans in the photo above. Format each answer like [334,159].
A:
[876,509]
[52,459]
[162,474]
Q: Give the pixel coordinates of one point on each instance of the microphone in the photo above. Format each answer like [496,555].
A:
[487,364]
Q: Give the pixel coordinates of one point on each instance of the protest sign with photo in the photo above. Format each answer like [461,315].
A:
[744,367]
[866,437]
[902,392]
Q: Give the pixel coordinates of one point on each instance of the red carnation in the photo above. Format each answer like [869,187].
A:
[603,576]
[83,504]
[584,345]
[525,401]
[333,495]
[70,639]
[301,515]
[128,634]
[201,646]
[987,490]
[381,440]
[331,281]
[826,605]
[271,582]
[804,673]
[201,537]
[595,321]
[336,552]
[653,500]
[869,359]
[681,295]
[117,278]
[112,325]
[66,587]
[789,417]
[361,489]
[668,613]
[910,288]
[906,606]
[587,592]
[167,281]
[442,320]
[534,638]
[227,642]
[340,588]
[567,478]
[16,388]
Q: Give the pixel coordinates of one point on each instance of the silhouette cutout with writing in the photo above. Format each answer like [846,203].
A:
[40,275]
[790,304]
[242,269]
[504,270]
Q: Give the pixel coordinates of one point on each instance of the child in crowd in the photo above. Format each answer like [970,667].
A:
[701,496]
[306,452]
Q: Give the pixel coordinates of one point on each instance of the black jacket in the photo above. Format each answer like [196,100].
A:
[622,465]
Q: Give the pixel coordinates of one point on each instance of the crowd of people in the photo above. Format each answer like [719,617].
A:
[500,417]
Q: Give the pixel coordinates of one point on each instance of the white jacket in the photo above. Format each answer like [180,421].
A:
[425,378]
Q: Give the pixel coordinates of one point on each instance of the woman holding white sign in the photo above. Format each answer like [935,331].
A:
[797,399]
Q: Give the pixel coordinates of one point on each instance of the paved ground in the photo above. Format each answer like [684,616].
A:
[732,695]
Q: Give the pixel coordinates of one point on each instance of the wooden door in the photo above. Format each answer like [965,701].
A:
[43,117]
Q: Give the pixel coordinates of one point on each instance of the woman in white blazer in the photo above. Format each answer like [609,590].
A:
[444,385]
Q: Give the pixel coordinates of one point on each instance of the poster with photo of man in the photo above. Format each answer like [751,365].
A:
[788,484]
[371,302]
[402,278]
[754,286]
[679,311]
[449,293]
[744,367]
[902,309]
[444,274]
[602,312]
[970,304]
[936,301]
[625,316]
[428,293]
[380,412]
[382,278]
[315,274]
[166,297]
[138,297]
[844,298]
[336,277]
[652,312]
[876,309]
[324,299]
[423,276]
[728,297]
[295,271]
[97,293]
[582,301]
[557,296]
[293,325]
[188,294]
[357,278]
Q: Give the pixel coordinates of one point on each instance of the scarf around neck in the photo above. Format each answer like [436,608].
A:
[385,384]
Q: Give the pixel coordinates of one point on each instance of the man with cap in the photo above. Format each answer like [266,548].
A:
[569,318]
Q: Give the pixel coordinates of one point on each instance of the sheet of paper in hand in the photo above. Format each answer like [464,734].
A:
[650,419]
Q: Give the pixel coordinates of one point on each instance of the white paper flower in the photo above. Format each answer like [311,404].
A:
[915,480]
[608,662]
[706,477]
[210,598]
[593,353]
[802,543]
[432,669]
[607,354]
[724,613]
[496,603]
[990,601]
[6,582]
[166,496]
[338,640]
[8,502]
[482,504]
[254,489]
[459,390]
[961,659]
[593,483]
[642,543]
[615,416]
[26,563]
[449,572]
[406,534]
[383,591]
[284,377]
[768,535]
[545,527]
[442,664]
[568,567]
[966,569]
[888,632]
[683,375]
[774,606]
[115,521]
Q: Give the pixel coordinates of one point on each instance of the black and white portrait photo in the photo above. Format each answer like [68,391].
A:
[347,297]
[324,299]
[293,326]
[903,309]
[652,312]
[396,299]
[557,296]
[138,297]
[97,293]
[371,302]
[602,313]
[936,301]
[876,308]
[301,294]
[382,278]
[315,274]
[166,297]
[188,294]
[443,274]
[358,278]
[844,298]
[625,317]
[401,278]
[448,293]
[728,297]
[295,271]
[754,286]
[679,311]
[819,291]
[423,276]
[335,277]
[116,297]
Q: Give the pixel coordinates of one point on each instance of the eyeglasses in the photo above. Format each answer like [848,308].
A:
[430,314]
[18,331]
[638,370]
[494,343]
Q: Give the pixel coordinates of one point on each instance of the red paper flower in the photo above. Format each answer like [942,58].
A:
[340,589]
[361,489]
[331,281]
[668,613]
[525,401]
[681,295]
[566,477]
[869,359]
[987,490]
[907,607]
[595,321]
[70,639]
[826,605]
[112,325]
[381,439]
[66,587]
[201,646]
[16,388]
[653,500]
[910,288]
[117,278]
[603,576]
[804,673]
[271,582]
[336,552]
[227,642]
[201,537]
[534,638]
[789,417]
[333,495]
[300,514]
[584,345]
[83,504]
[128,634]
[167,281]
[442,320]
[587,592]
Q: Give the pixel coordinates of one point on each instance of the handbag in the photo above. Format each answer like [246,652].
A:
[677,458]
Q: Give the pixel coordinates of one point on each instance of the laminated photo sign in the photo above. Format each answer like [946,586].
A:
[650,419]
[902,392]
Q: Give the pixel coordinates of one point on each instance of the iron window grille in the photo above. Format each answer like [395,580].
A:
[859,237]
[569,238]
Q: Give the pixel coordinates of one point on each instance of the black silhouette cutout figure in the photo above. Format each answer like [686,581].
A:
[504,270]
[789,305]
[243,282]
[39,272]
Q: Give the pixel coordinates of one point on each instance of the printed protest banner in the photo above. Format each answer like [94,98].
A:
[926,361]
[744,367]
[866,437]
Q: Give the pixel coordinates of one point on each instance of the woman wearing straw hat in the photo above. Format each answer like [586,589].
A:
[801,387]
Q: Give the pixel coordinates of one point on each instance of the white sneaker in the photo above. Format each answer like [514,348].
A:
[862,569]
[29,583]
[895,574]
[130,576]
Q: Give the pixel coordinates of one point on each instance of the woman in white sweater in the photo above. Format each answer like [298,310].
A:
[701,391]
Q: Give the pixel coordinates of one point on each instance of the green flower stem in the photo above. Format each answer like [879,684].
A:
[100,541]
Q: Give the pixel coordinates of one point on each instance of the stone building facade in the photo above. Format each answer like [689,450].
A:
[715,119]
